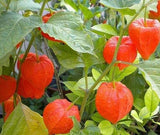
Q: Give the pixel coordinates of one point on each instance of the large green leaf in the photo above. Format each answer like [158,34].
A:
[121,74]
[17,5]
[69,4]
[136,83]
[68,27]
[152,6]
[70,59]
[119,4]
[2,5]
[23,121]
[13,28]
[151,100]
[105,29]
[86,12]
[151,72]
[106,128]
[123,6]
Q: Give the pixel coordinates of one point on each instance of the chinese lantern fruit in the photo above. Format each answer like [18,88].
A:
[146,37]
[57,116]
[127,51]
[9,106]
[155,15]
[45,19]
[36,74]
[27,90]
[113,101]
[7,87]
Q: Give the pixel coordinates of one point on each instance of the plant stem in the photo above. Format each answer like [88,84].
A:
[145,9]
[70,106]
[8,5]
[86,78]
[55,71]
[19,74]
[140,10]
[87,94]
[42,8]
[3,4]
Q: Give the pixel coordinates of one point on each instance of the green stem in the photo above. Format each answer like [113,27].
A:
[140,10]
[42,8]
[70,106]
[86,78]
[8,5]
[3,4]
[145,11]
[19,74]
[128,63]
[16,59]
[119,40]
[87,94]
[29,47]
[60,91]
[15,99]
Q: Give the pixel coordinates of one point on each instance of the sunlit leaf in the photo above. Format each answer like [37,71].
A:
[151,100]
[119,4]
[68,27]
[17,5]
[23,121]
[13,28]
[151,72]
[106,128]
[134,114]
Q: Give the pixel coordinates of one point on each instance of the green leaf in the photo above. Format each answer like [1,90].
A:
[151,72]
[106,128]
[127,11]
[66,56]
[91,130]
[50,99]
[96,74]
[123,132]
[68,27]
[105,29]
[134,114]
[17,5]
[70,5]
[97,117]
[76,128]
[136,83]
[9,69]
[89,123]
[152,133]
[144,113]
[81,83]
[23,121]
[121,74]
[3,5]
[136,7]
[72,59]
[139,103]
[71,85]
[13,28]
[86,12]
[72,97]
[151,100]
[119,4]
